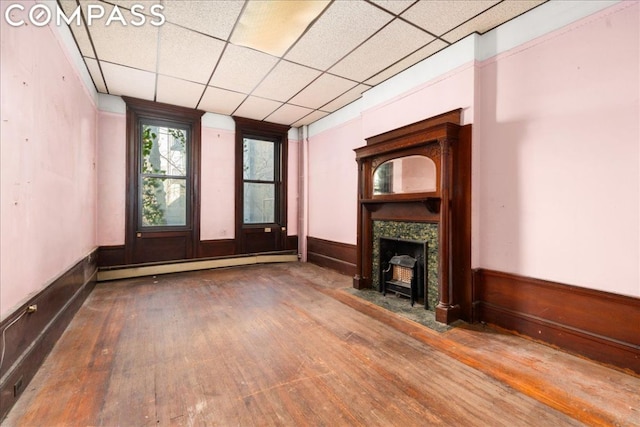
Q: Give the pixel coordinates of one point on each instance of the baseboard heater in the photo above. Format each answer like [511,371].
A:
[127,272]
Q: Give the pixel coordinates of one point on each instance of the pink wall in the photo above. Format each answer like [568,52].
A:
[292,187]
[112,177]
[218,183]
[48,159]
[333,183]
[559,157]
[448,92]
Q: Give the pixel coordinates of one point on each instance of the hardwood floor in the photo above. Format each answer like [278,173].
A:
[285,344]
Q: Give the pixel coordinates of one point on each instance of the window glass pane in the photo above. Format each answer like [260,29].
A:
[259,203]
[164,151]
[163,201]
[258,159]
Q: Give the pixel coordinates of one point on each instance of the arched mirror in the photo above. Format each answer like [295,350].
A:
[410,174]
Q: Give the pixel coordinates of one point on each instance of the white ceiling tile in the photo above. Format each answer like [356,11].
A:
[339,30]
[257,108]
[178,92]
[215,18]
[285,81]
[288,114]
[186,54]
[491,19]
[82,38]
[321,91]
[129,81]
[126,45]
[96,75]
[315,116]
[346,98]
[220,101]
[241,69]
[438,17]
[394,6]
[391,44]
[407,62]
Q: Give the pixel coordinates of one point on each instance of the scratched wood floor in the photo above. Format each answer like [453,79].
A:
[286,345]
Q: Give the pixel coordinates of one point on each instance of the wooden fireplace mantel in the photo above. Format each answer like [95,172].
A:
[448,144]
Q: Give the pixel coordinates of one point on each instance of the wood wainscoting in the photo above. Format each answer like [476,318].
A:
[337,256]
[29,337]
[599,325]
[114,256]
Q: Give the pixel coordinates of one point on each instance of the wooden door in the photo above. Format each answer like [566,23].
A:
[163,168]
[261,171]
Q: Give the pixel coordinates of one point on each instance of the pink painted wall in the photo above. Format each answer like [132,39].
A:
[333,183]
[292,187]
[448,92]
[218,183]
[559,155]
[48,163]
[112,178]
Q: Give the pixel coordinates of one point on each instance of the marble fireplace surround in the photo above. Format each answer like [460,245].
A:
[411,231]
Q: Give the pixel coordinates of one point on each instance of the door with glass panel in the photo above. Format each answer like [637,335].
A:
[163,192]
[261,201]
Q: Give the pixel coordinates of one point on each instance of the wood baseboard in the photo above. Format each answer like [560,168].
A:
[31,337]
[599,325]
[334,255]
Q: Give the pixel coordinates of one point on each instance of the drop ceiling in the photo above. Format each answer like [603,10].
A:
[206,55]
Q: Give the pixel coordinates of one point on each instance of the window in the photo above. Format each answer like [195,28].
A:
[261,186]
[163,188]
[261,180]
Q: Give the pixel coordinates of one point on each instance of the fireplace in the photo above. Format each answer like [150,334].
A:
[414,184]
[402,269]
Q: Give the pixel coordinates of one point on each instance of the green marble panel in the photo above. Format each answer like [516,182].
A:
[409,231]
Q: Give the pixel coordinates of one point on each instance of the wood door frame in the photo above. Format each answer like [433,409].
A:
[137,109]
[271,131]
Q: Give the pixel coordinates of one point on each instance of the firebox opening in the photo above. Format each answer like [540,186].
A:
[402,269]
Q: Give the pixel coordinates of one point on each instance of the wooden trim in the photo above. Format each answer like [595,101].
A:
[453,116]
[291,243]
[596,324]
[30,339]
[217,248]
[113,256]
[109,256]
[334,255]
